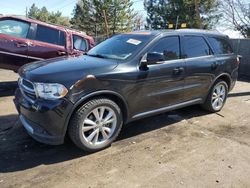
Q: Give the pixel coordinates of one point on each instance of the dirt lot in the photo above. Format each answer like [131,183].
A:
[183,148]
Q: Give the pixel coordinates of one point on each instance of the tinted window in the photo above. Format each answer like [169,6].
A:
[14,28]
[195,46]
[221,46]
[121,46]
[80,43]
[49,35]
[169,47]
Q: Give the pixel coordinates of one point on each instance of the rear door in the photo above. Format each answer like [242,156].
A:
[223,52]
[13,43]
[201,66]
[47,43]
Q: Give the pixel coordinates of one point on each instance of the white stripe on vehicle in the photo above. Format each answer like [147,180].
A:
[19,55]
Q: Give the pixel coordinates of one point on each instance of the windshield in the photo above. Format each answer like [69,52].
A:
[120,47]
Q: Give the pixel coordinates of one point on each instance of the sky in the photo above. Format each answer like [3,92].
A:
[64,6]
[18,7]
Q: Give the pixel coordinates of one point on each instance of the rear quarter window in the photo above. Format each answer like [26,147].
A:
[50,35]
[220,45]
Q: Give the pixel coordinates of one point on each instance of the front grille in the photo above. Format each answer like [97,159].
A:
[28,84]
[27,88]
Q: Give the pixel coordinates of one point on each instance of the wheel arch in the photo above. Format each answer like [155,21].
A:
[225,77]
[114,96]
[207,101]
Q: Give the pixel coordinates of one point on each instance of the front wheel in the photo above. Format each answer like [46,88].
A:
[217,97]
[96,124]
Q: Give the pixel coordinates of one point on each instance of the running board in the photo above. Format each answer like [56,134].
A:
[167,108]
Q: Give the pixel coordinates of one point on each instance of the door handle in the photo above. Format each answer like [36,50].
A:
[178,70]
[20,45]
[61,53]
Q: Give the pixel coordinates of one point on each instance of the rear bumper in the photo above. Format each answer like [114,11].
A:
[234,77]
[45,121]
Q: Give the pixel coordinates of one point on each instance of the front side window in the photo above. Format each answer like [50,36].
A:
[168,47]
[80,43]
[14,28]
[220,45]
[195,46]
[50,35]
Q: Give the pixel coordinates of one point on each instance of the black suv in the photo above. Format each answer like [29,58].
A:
[125,78]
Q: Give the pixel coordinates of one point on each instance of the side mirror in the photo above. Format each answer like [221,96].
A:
[151,58]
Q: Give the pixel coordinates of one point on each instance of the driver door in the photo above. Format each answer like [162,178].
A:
[162,83]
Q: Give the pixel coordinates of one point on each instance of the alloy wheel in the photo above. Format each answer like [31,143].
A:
[218,96]
[99,125]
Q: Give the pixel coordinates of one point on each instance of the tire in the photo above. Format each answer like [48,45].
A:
[100,115]
[208,105]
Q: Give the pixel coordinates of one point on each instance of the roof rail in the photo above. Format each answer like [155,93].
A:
[199,30]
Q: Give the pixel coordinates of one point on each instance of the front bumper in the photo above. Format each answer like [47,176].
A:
[45,121]
[39,134]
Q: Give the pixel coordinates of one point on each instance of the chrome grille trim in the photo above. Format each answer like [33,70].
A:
[25,89]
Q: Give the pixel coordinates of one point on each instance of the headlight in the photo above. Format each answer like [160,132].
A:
[50,91]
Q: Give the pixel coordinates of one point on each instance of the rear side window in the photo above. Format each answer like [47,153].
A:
[80,43]
[220,45]
[14,28]
[195,46]
[50,35]
[169,47]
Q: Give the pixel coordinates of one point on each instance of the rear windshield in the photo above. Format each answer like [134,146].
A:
[120,47]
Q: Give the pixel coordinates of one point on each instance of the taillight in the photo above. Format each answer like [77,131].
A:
[238,59]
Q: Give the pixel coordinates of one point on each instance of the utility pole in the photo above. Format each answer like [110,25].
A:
[177,22]
[26,12]
[106,23]
[197,11]
[95,30]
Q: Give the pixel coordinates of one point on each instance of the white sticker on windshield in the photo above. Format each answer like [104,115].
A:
[134,41]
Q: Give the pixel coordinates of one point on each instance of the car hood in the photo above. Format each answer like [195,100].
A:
[66,70]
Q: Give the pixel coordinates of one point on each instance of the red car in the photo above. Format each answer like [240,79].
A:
[24,40]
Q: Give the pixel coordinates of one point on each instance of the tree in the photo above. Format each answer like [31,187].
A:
[236,15]
[138,21]
[83,17]
[89,15]
[43,15]
[33,11]
[196,13]
[49,17]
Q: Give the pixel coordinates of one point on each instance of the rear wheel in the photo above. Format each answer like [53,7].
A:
[96,124]
[217,96]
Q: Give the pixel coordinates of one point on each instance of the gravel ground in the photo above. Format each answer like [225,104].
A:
[182,148]
[7,75]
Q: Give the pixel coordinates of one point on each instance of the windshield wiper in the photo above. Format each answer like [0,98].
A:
[96,55]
